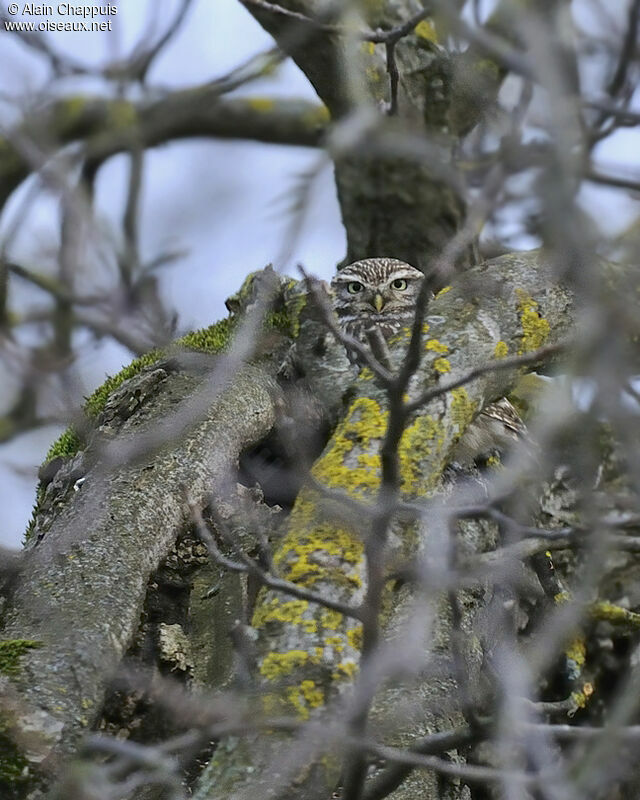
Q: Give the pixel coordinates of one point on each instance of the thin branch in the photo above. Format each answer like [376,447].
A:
[624,116]
[130,259]
[254,67]
[137,65]
[575,732]
[394,77]
[627,51]
[390,36]
[60,64]
[249,565]
[510,362]
[351,343]
[394,774]
[468,773]
[594,175]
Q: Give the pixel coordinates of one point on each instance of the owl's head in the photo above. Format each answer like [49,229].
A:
[376,286]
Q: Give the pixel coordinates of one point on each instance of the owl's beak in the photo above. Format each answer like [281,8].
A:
[378,301]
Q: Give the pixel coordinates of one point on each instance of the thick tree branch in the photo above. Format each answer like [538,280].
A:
[107,126]
[96,558]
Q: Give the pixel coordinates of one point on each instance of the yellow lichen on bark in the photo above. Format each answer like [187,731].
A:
[616,615]
[275,665]
[442,365]
[425,29]
[463,409]
[260,103]
[535,328]
[308,651]
[435,346]
[315,549]
[364,425]
[581,697]
[423,438]
[576,655]
[291,612]
[122,114]
[318,117]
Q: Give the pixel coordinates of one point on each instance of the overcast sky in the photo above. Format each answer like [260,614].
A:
[223,203]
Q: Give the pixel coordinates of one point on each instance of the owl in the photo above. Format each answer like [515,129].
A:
[376,293]
[380,294]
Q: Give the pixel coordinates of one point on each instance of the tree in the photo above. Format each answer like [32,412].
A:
[405,626]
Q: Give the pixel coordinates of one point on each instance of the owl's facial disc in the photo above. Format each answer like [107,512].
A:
[376,292]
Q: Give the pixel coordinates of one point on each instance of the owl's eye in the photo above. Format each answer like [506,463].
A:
[399,283]
[354,287]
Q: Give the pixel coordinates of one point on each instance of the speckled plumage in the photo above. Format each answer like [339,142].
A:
[381,294]
[379,303]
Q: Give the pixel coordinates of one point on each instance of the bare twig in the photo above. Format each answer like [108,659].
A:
[249,565]
[350,342]
[507,363]
[390,36]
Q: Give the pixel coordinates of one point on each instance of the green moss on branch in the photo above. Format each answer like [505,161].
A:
[11,651]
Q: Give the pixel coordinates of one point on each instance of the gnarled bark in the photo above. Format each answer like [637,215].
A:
[82,587]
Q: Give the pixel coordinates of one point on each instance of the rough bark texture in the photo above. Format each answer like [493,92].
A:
[82,587]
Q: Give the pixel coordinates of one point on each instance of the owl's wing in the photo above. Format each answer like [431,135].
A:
[496,427]
[505,413]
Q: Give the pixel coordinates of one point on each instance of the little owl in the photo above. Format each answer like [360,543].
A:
[380,294]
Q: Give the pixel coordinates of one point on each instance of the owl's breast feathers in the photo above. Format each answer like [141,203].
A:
[358,326]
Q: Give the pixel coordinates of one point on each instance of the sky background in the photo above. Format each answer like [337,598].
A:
[223,203]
